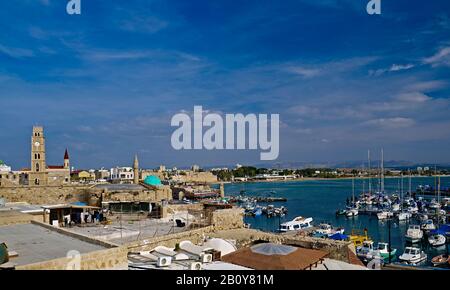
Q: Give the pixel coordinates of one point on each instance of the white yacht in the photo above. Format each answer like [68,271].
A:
[365,251]
[403,216]
[384,215]
[327,230]
[428,225]
[299,223]
[413,256]
[437,240]
[414,234]
[352,212]
[434,204]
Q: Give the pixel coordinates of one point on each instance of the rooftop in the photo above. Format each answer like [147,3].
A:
[270,256]
[119,187]
[35,243]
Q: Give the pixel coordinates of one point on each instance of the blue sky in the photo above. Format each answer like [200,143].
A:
[106,83]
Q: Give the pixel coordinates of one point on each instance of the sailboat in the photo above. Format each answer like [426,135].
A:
[383,214]
[404,215]
[353,210]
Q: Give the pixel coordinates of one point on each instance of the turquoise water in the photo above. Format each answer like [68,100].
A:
[320,199]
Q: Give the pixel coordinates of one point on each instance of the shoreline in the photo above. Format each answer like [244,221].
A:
[323,178]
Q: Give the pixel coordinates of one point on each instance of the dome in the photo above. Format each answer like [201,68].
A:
[221,245]
[269,249]
[152,180]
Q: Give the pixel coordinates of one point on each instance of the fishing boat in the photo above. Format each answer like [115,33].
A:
[440,261]
[383,251]
[327,230]
[414,234]
[437,240]
[365,251]
[428,225]
[384,215]
[352,212]
[299,223]
[404,215]
[396,207]
[257,211]
[341,212]
[413,256]
[357,238]
[434,204]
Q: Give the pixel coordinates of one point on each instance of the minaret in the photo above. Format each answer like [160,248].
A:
[66,160]
[136,170]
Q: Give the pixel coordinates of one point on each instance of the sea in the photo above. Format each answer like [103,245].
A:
[320,199]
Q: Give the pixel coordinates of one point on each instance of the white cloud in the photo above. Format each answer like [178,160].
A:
[393,68]
[442,57]
[16,52]
[414,97]
[398,67]
[391,123]
[305,72]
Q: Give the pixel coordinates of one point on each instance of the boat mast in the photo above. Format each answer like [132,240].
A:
[382,170]
[370,185]
[353,190]
[401,200]
[410,185]
[439,189]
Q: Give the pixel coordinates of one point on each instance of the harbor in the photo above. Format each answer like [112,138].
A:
[321,199]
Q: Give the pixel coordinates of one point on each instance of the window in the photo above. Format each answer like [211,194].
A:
[36,181]
[37,167]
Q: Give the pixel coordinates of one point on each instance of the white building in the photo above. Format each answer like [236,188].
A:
[121,174]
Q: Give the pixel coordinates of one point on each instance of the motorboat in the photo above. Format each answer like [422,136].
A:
[413,256]
[384,215]
[257,211]
[404,215]
[341,212]
[414,234]
[352,212]
[440,261]
[434,204]
[396,207]
[358,238]
[299,223]
[437,240]
[428,225]
[326,230]
[413,208]
[365,251]
[383,250]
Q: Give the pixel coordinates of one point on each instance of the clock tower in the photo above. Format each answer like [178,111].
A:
[38,173]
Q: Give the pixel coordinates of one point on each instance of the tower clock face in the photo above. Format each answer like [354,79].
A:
[37,144]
